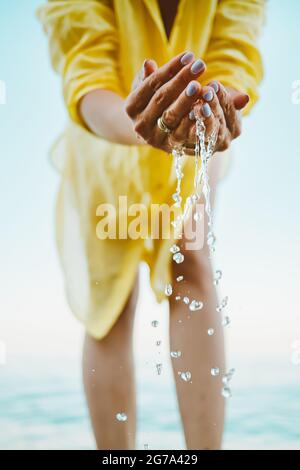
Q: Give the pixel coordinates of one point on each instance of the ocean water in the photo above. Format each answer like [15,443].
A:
[42,406]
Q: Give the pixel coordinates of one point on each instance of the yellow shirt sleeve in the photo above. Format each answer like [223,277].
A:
[83,46]
[232,56]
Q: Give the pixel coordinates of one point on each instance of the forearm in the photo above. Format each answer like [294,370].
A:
[104,114]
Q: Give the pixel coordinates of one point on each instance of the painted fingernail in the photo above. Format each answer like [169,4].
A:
[191,89]
[215,86]
[187,58]
[206,110]
[197,66]
[208,96]
[192,115]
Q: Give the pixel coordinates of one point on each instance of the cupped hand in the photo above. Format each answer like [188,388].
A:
[169,92]
[219,109]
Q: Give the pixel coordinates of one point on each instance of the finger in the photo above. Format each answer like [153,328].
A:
[168,94]
[185,133]
[209,96]
[159,139]
[173,88]
[203,111]
[182,105]
[219,124]
[140,97]
[211,122]
[240,99]
[149,67]
[231,115]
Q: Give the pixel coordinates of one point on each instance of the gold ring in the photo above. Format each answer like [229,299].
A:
[163,126]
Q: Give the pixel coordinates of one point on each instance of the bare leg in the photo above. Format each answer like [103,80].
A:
[108,375]
[200,401]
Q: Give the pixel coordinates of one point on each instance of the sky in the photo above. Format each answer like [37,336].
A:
[257,213]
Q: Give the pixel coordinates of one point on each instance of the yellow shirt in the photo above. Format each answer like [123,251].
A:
[102,44]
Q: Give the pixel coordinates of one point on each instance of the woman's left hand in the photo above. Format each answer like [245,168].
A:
[220,110]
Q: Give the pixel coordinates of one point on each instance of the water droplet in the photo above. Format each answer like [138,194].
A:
[186,376]
[178,297]
[222,305]
[158,343]
[174,249]
[121,416]
[168,290]
[177,198]
[227,377]
[179,278]
[186,300]
[158,368]
[177,222]
[195,305]
[215,371]
[178,258]
[146,446]
[195,197]
[210,331]
[218,276]
[154,323]
[226,321]
[211,239]
[226,392]
[175,354]
[197,216]
[93,371]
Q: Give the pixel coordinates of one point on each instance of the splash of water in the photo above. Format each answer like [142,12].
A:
[203,153]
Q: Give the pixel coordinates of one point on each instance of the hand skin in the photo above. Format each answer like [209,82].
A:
[164,91]
[220,110]
[169,91]
[155,91]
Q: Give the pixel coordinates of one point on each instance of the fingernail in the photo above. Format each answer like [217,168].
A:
[206,110]
[215,86]
[191,89]
[197,66]
[192,115]
[208,96]
[187,58]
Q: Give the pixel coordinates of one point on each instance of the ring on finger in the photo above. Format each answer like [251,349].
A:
[163,126]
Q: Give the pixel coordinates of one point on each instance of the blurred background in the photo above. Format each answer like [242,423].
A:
[258,228]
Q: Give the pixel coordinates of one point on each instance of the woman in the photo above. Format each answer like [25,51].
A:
[125,120]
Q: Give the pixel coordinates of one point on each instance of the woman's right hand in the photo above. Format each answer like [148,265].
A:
[169,92]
